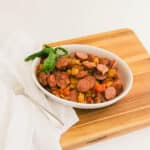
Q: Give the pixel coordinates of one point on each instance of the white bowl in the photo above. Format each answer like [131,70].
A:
[124,70]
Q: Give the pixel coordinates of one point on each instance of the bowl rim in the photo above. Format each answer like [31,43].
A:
[85,105]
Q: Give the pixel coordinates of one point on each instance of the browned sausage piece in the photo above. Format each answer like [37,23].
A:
[62,62]
[51,80]
[99,76]
[92,57]
[82,74]
[43,78]
[92,81]
[110,93]
[82,55]
[86,84]
[118,85]
[83,85]
[73,95]
[62,79]
[113,64]
[102,68]
[104,61]
[89,65]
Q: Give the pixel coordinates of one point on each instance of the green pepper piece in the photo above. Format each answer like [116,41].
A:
[49,62]
[43,53]
[57,49]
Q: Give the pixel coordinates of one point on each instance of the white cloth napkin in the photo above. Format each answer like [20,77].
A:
[23,126]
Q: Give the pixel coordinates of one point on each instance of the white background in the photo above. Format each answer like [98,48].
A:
[51,20]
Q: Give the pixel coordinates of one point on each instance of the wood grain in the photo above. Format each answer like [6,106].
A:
[133,111]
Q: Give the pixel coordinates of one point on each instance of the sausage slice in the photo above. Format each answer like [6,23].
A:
[104,61]
[82,74]
[51,81]
[73,95]
[100,76]
[113,64]
[118,85]
[89,65]
[81,55]
[62,62]
[86,84]
[62,79]
[91,80]
[102,68]
[43,78]
[110,93]
[83,85]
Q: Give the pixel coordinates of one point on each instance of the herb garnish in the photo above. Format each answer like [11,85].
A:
[51,54]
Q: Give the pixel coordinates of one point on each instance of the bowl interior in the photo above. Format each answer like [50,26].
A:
[124,70]
[122,66]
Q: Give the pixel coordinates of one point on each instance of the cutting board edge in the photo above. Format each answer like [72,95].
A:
[89,36]
[107,137]
[113,133]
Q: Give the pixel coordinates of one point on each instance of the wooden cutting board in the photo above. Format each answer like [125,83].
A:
[133,111]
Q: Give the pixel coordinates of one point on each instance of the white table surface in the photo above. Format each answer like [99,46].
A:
[51,20]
